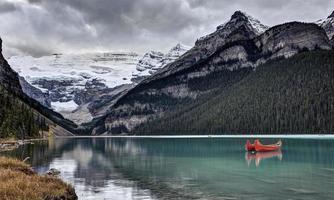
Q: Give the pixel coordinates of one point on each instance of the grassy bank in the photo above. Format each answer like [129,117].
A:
[19,181]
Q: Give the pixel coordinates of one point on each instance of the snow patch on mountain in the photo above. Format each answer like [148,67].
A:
[154,60]
[64,106]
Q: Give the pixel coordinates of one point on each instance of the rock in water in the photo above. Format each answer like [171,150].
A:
[53,172]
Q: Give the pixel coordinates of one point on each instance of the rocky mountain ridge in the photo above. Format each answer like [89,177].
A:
[239,27]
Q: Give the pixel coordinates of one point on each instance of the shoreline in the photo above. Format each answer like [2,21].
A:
[296,136]
[11,144]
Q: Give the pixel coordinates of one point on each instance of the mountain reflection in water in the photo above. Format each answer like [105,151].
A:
[125,168]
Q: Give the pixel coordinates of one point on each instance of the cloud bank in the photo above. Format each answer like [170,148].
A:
[41,27]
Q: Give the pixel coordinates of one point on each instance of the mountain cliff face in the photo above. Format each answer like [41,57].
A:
[218,60]
[35,93]
[8,78]
[328,25]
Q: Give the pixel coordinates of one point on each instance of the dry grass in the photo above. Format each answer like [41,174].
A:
[19,182]
[8,141]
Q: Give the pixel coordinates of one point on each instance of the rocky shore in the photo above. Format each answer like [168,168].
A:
[11,144]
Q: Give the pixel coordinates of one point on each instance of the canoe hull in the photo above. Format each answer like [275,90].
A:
[265,148]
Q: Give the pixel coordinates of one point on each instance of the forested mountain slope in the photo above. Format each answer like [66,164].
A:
[20,115]
[294,95]
[229,63]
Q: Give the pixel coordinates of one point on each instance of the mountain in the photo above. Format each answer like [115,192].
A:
[217,61]
[126,93]
[35,93]
[83,86]
[22,116]
[293,95]
[328,25]
[240,27]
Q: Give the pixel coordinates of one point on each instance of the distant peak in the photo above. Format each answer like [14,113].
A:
[332,15]
[239,14]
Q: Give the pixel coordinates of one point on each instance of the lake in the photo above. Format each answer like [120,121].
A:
[198,168]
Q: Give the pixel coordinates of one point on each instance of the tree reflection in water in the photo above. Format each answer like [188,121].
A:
[258,156]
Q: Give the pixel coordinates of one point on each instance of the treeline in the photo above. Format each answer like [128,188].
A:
[17,119]
[294,95]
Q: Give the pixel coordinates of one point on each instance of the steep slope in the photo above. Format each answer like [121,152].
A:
[8,78]
[35,93]
[22,115]
[328,25]
[293,95]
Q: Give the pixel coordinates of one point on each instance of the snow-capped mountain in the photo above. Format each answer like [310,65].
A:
[71,81]
[154,60]
[239,21]
[241,26]
[328,25]
[223,57]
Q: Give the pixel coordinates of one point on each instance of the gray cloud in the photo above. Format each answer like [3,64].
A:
[7,7]
[39,27]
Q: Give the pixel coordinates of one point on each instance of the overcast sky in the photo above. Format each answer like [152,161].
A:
[41,27]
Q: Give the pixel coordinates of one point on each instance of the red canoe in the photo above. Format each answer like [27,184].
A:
[263,148]
[257,146]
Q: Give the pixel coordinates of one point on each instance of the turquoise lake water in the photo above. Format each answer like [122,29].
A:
[212,168]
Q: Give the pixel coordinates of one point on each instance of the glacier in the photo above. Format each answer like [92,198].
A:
[73,81]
